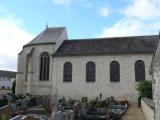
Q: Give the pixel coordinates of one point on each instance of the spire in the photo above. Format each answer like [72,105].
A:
[46,25]
[159,34]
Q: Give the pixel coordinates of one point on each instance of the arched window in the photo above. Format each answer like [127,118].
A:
[90,72]
[114,71]
[139,70]
[44,66]
[67,72]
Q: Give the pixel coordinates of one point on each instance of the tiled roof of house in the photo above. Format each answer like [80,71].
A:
[116,45]
[9,74]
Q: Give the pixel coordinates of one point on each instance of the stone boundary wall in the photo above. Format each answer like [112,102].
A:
[5,91]
[147,108]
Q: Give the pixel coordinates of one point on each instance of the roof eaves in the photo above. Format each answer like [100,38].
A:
[113,53]
[38,44]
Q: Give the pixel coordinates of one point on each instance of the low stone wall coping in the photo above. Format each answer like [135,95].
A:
[148,101]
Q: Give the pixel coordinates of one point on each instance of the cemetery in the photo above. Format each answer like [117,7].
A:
[74,74]
[40,107]
[31,107]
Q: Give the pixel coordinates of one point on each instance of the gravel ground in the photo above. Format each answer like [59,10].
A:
[133,113]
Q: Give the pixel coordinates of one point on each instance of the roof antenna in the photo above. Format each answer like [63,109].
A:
[46,25]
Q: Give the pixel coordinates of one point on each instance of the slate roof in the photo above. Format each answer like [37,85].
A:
[9,74]
[49,35]
[116,45]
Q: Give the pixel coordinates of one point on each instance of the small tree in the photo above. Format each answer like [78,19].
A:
[145,88]
[14,86]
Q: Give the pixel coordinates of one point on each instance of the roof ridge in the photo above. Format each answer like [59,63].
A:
[101,38]
[109,38]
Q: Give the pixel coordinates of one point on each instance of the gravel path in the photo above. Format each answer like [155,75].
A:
[133,113]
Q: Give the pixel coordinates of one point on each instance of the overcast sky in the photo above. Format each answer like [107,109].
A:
[22,20]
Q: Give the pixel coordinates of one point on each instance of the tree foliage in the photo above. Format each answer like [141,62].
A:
[145,88]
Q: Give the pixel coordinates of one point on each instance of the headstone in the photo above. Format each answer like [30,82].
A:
[65,116]
[14,107]
[45,117]
[76,108]
[6,112]
[39,100]
[70,114]
[84,99]
[60,108]
[59,115]
[47,107]
[83,111]
[53,106]
[25,103]
[18,117]
[30,118]
[100,96]
[3,101]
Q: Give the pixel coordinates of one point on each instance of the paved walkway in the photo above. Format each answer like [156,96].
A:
[133,113]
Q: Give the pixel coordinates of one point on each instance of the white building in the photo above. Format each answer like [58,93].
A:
[51,64]
[6,79]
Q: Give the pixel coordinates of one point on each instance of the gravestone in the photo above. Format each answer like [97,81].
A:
[77,108]
[70,114]
[54,110]
[30,118]
[59,115]
[6,112]
[18,117]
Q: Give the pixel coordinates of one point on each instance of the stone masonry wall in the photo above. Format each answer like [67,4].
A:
[33,85]
[126,88]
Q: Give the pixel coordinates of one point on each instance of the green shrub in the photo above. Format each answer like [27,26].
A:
[145,88]
[14,87]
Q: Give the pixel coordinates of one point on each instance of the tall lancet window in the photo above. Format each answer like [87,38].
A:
[114,71]
[26,67]
[67,72]
[90,72]
[44,66]
[139,70]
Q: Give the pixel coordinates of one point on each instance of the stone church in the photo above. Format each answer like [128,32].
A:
[52,64]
